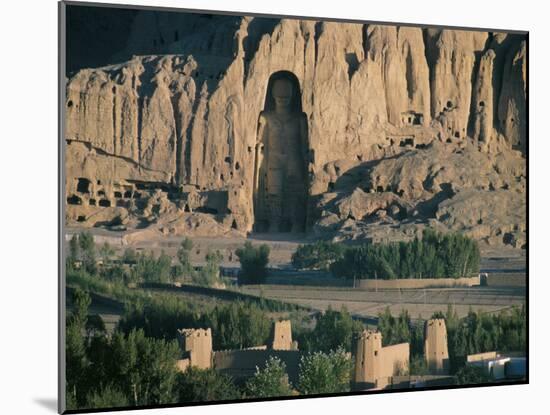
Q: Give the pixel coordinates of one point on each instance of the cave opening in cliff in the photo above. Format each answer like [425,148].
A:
[280,168]
[83,185]
[74,200]
[105,203]
[206,209]
[409,141]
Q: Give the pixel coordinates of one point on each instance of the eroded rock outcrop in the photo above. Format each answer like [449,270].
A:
[443,186]
[181,116]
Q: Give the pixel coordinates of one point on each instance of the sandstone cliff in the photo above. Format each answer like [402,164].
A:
[181,116]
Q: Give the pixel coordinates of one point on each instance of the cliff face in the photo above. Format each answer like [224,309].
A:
[184,113]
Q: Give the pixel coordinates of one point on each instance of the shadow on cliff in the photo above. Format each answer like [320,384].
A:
[357,175]
[257,28]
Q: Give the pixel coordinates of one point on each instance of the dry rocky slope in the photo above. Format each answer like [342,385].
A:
[408,128]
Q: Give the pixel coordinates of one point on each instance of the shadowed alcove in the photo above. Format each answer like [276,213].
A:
[280,170]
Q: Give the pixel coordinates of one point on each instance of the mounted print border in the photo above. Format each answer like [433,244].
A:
[262,207]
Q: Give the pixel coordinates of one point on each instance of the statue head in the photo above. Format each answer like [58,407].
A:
[282,92]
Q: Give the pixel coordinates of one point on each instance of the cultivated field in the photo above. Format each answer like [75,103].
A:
[319,291]
[419,303]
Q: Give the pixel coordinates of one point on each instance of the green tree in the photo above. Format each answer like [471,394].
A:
[151,269]
[472,375]
[319,255]
[254,262]
[95,326]
[159,317]
[130,256]
[270,381]
[164,267]
[115,273]
[106,252]
[75,348]
[197,385]
[395,330]
[81,304]
[417,366]
[209,274]
[108,397]
[74,251]
[75,362]
[234,325]
[184,257]
[334,329]
[435,256]
[325,373]
[238,325]
[177,271]
[87,252]
[144,368]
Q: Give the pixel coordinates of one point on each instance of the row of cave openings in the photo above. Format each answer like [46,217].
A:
[136,193]
[122,196]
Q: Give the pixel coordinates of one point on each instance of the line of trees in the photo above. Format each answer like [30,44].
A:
[482,332]
[238,324]
[333,330]
[477,332]
[136,267]
[436,255]
[317,256]
[234,325]
[207,275]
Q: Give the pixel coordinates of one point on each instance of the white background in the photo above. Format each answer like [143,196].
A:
[28,204]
